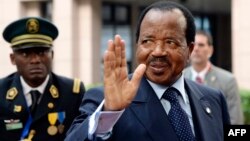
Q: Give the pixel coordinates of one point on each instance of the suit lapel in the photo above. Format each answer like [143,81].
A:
[211,77]
[149,110]
[201,111]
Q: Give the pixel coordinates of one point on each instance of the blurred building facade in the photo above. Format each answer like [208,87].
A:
[86,25]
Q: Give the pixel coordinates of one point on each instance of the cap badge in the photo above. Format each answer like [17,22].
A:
[32,26]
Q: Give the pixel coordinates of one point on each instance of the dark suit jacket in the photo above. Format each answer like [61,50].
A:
[146,120]
[15,109]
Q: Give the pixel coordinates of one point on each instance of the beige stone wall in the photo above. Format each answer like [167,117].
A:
[11,9]
[77,48]
[241,41]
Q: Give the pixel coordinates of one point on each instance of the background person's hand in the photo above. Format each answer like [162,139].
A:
[119,91]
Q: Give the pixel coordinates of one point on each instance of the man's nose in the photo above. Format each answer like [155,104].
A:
[159,49]
[34,57]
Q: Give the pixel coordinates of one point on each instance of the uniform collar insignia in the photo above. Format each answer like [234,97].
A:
[54,92]
[11,93]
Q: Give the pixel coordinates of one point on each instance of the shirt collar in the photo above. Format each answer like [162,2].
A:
[27,88]
[201,74]
[179,85]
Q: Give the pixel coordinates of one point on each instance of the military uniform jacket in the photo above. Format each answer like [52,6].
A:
[61,96]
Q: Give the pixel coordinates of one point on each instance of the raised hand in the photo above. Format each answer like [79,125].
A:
[119,91]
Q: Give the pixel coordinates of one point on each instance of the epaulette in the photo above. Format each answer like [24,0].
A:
[76,86]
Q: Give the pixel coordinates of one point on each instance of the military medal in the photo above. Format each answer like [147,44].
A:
[60,128]
[52,129]
[61,117]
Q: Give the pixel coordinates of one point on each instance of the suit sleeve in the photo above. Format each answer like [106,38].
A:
[234,102]
[79,128]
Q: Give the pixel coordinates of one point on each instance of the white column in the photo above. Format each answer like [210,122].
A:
[62,13]
[77,47]
[89,40]
[9,11]
[240,41]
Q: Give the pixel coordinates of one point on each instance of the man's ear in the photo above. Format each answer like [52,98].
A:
[12,59]
[211,51]
[190,50]
[190,47]
[52,54]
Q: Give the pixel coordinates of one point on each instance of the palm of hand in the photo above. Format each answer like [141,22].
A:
[119,91]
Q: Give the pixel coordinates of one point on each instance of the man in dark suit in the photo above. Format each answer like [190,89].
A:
[36,104]
[155,103]
[213,76]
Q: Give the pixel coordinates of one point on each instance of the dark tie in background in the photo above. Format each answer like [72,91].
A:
[34,96]
[177,116]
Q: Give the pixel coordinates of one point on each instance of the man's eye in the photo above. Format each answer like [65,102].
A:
[201,45]
[24,54]
[146,41]
[170,42]
[41,53]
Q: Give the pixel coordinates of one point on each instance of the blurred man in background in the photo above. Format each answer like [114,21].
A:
[204,72]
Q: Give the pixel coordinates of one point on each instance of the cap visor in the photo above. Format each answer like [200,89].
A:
[19,47]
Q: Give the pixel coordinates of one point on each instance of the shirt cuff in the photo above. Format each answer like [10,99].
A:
[102,122]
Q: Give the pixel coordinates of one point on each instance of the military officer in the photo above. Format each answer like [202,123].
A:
[35,103]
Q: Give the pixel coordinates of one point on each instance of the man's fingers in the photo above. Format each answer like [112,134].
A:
[109,59]
[123,54]
[111,45]
[118,52]
[137,75]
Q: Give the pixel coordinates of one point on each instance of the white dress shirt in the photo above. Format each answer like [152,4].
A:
[201,74]
[27,89]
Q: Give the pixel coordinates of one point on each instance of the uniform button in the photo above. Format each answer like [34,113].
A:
[50,105]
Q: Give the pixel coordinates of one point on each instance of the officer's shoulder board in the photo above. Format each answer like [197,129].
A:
[76,85]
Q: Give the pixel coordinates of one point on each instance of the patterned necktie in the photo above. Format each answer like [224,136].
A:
[198,79]
[34,96]
[177,116]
